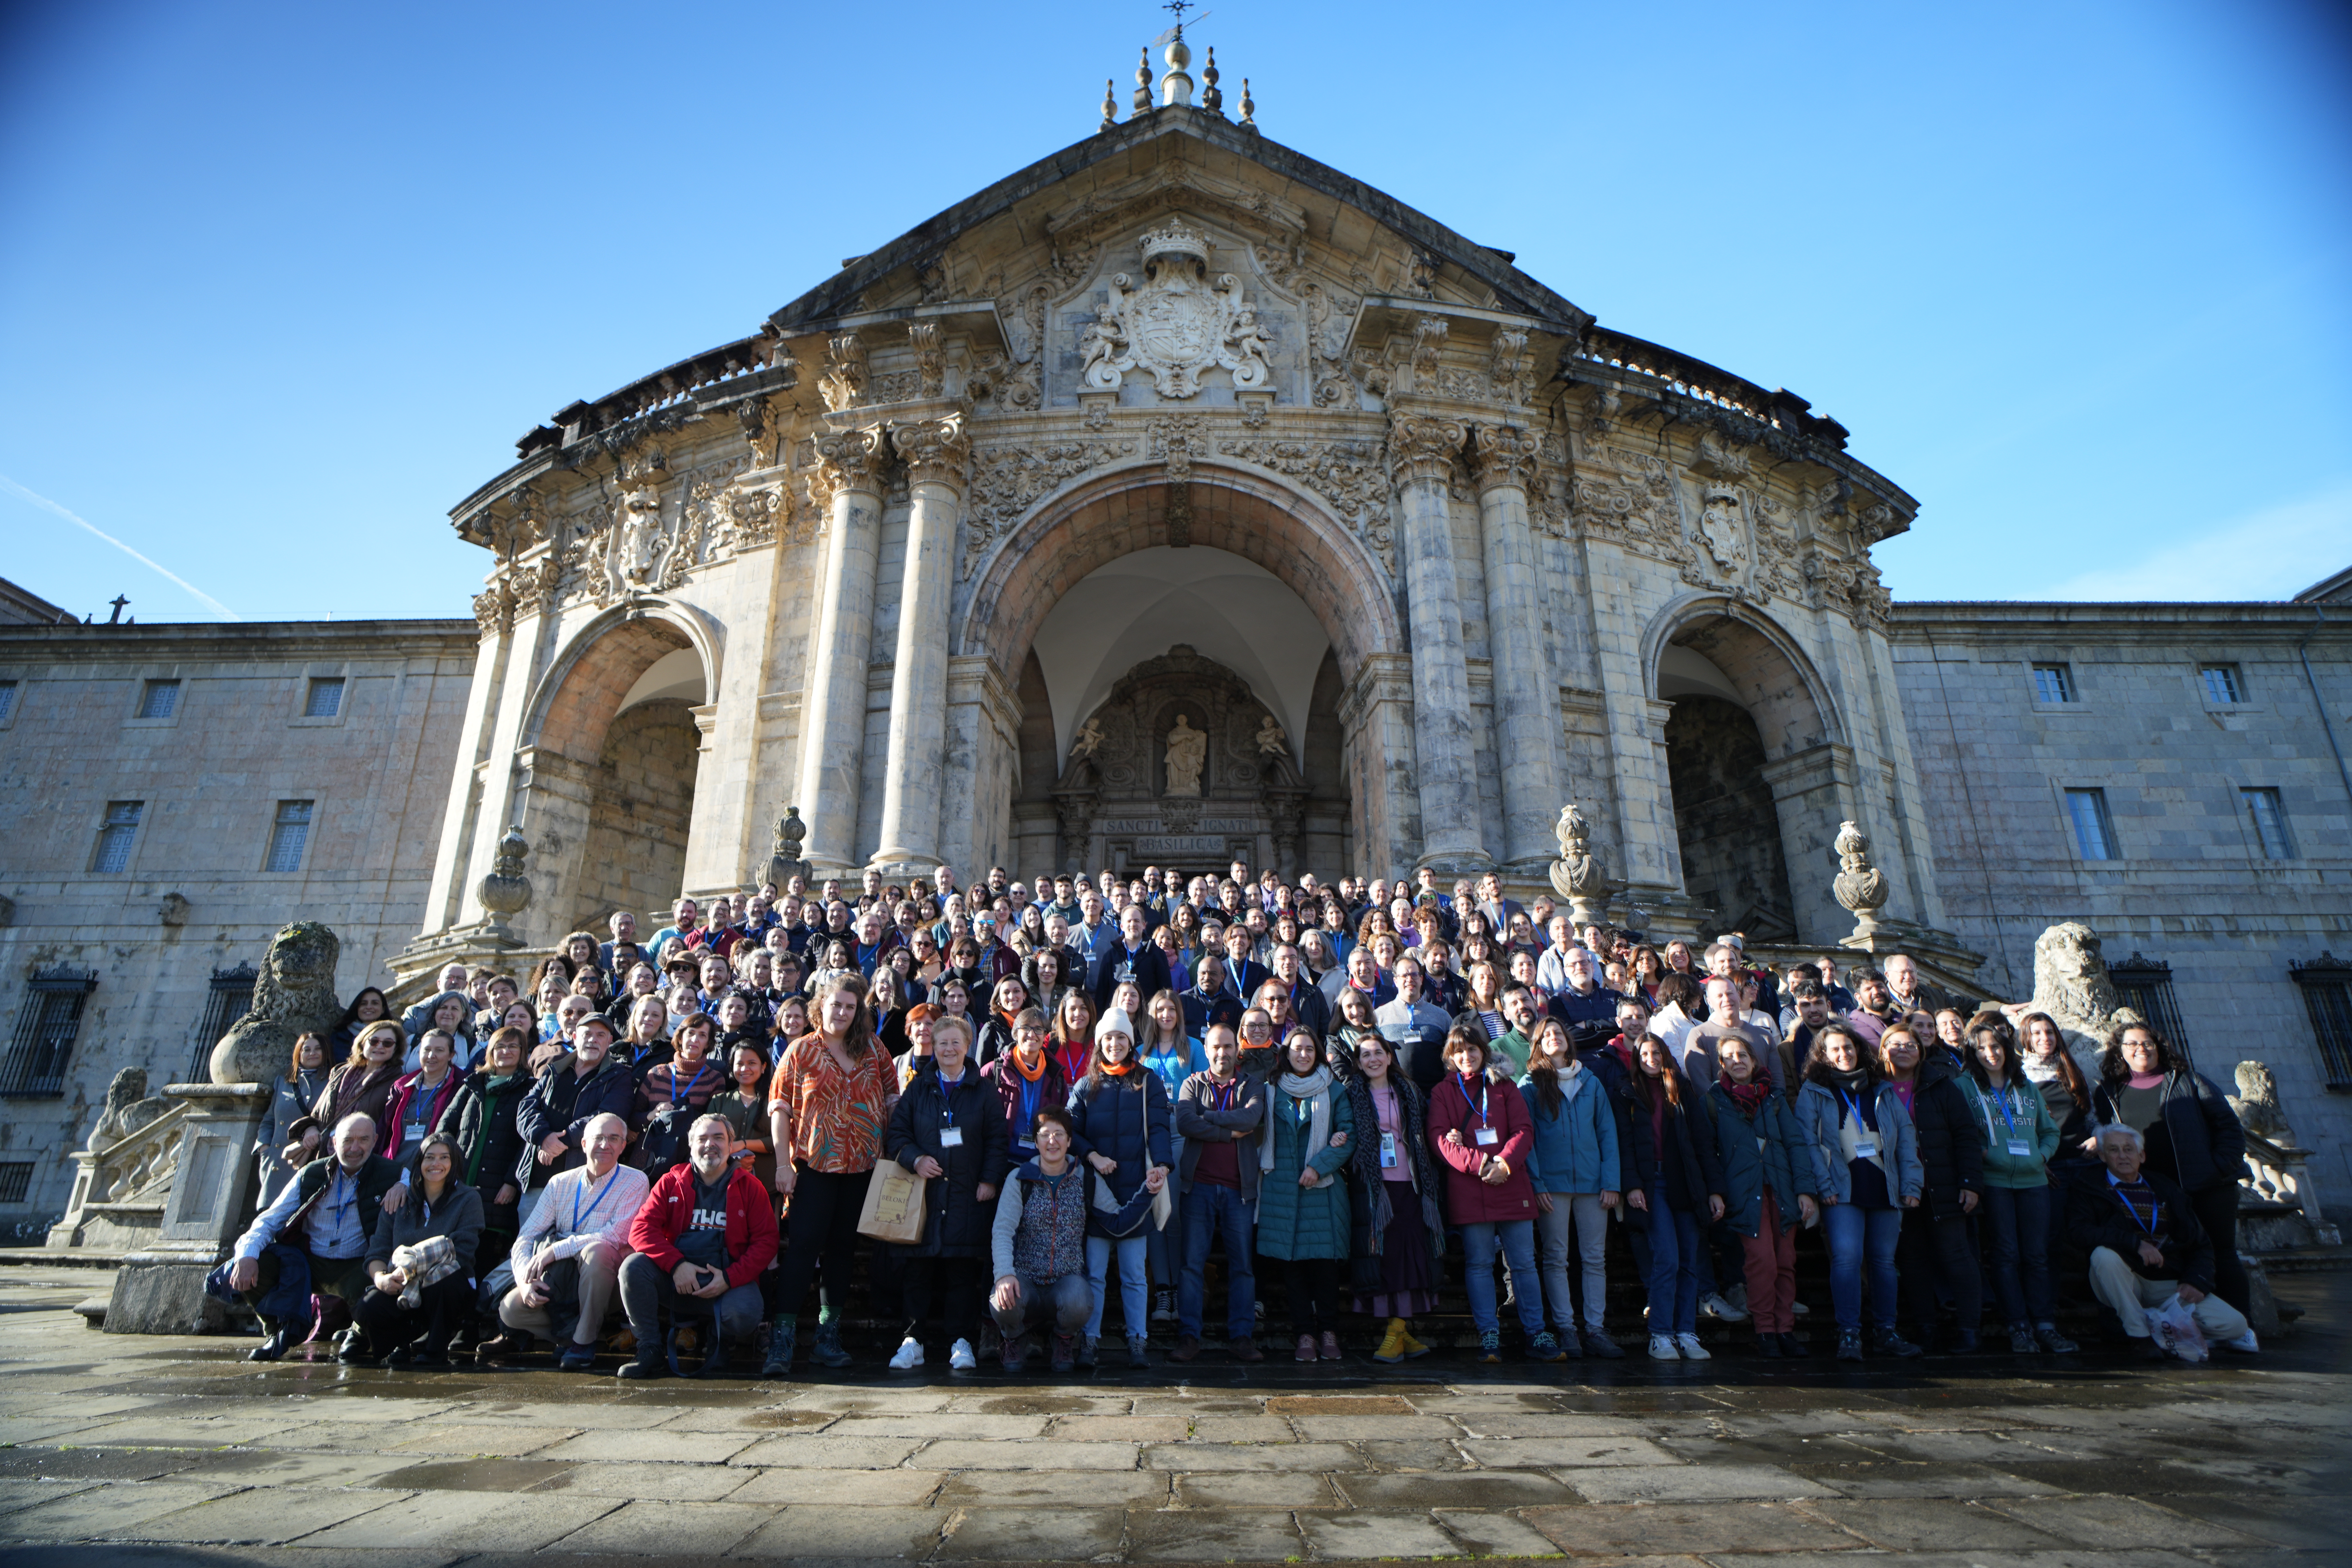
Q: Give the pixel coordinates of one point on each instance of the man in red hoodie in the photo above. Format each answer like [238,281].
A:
[703,1236]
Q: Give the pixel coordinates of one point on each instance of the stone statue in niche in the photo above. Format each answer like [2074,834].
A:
[1188,750]
[1271,741]
[1089,741]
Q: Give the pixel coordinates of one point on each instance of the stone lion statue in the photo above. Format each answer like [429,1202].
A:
[295,991]
[2071,984]
[127,1107]
[2257,1103]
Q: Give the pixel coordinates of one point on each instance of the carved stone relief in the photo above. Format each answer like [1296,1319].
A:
[1177,323]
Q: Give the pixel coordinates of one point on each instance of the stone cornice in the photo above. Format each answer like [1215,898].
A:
[1961,621]
[144,644]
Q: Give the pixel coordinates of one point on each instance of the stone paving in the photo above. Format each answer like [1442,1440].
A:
[177,1450]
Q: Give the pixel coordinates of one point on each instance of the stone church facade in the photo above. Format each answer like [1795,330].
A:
[1178,435]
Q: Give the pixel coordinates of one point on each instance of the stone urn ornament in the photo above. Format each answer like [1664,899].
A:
[785,860]
[1577,875]
[1859,886]
[294,993]
[505,890]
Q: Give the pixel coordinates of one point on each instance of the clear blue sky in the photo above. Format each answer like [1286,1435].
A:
[279,284]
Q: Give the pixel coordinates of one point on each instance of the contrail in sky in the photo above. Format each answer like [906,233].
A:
[46,504]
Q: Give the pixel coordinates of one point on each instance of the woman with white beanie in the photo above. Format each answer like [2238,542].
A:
[1124,1130]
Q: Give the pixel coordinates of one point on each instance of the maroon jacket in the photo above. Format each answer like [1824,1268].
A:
[396,1109]
[1468,1200]
[662,1218]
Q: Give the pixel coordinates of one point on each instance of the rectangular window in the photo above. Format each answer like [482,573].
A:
[326,698]
[15,1182]
[2095,833]
[2221,683]
[287,836]
[160,699]
[2053,683]
[7,699]
[114,839]
[2326,985]
[2269,823]
[46,1028]
[230,998]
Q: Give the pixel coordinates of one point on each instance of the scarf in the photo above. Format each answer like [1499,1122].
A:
[1315,1089]
[1023,1068]
[1121,1068]
[2040,1069]
[1748,1097]
[493,1082]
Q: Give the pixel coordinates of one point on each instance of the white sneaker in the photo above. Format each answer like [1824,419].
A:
[1661,1348]
[1690,1347]
[909,1356]
[1714,1305]
[1801,1309]
[959,1358]
[2245,1343]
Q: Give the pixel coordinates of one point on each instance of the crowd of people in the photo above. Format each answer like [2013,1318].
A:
[1113,1092]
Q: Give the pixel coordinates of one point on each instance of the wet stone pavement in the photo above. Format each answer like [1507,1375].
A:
[146,1450]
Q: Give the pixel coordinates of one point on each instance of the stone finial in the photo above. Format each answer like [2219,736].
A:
[1211,99]
[1110,105]
[504,889]
[294,993]
[1143,80]
[1859,886]
[1249,109]
[1176,86]
[785,860]
[1575,876]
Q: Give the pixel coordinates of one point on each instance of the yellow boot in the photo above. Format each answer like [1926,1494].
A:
[1392,1343]
[1412,1347]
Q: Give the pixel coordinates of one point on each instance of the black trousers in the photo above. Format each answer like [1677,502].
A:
[820,1227]
[2217,1210]
[1936,1261]
[955,1283]
[1313,1287]
[441,1308]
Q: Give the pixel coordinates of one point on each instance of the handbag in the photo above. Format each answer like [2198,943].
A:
[895,1209]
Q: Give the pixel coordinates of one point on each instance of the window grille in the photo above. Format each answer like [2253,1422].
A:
[2221,683]
[2053,683]
[2145,984]
[2094,832]
[230,997]
[2269,823]
[2326,985]
[7,699]
[160,699]
[47,1025]
[115,836]
[288,835]
[326,698]
[15,1182]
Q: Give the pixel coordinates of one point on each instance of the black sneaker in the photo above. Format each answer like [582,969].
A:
[1602,1346]
[1886,1341]
[1849,1345]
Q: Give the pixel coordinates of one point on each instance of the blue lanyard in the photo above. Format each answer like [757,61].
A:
[593,1202]
[2000,1098]
[335,1217]
[1222,1095]
[2155,1207]
[947,1099]
[1855,1106]
[1031,1092]
[1481,1096]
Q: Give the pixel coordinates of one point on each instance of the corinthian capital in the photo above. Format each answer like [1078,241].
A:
[936,451]
[1421,448]
[1504,455]
[851,459]
[842,384]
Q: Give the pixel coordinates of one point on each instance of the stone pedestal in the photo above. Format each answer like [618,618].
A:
[161,1287]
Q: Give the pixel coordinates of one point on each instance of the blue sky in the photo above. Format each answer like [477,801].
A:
[279,284]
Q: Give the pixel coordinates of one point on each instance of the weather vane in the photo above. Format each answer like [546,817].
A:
[1179,7]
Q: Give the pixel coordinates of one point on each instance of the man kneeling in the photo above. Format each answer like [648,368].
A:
[1041,1246]
[2146,1245]
[704,1236]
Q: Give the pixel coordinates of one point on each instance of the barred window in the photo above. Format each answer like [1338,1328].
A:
[2326,985]
[288,835]
[2053,683]
[2221,684]
[228,1000]
[326,698]
[115,836]
[160,700]
[2094,831]
[7,699]
[15,1182]
[2269,823]
[2145,986]
[46,1027]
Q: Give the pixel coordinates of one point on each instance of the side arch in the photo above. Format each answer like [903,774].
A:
[1793,706]
[574,698]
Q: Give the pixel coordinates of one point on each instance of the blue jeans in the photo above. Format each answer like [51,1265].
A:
[1675,1244]
[1518,1241]
[1133,1294]
[2017,1231]
[1210,1211]
[1849,1230]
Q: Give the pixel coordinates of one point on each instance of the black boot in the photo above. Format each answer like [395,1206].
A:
[273,1348]
[651,1360]
[827,1350]
[781,1331]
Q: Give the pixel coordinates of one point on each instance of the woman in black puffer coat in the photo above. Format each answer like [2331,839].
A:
[1936,1259]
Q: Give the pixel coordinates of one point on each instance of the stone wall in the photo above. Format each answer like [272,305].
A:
[2191,885]
[637,815]
[209,779]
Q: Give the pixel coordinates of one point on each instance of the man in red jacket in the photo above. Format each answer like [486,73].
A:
[703,1236]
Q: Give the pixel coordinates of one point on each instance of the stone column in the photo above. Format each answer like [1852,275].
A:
[833,703]
[1421,458]
[937,453]
[1527,702]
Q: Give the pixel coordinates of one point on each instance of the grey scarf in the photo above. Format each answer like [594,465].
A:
[1315,1087]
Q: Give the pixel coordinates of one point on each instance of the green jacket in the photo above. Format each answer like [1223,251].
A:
[1300,1222]
[2029,1114]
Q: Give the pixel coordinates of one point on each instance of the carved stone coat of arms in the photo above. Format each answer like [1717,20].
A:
[1178,324]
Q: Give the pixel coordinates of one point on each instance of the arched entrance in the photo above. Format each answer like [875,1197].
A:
[1758,779]
[1323,653]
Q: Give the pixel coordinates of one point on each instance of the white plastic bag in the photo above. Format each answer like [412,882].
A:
[2174,1324]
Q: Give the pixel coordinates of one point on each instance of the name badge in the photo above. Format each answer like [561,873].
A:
[1388,1151]
[1486,1135]
[950,1137]
[2020,1148]
[1866,1148]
